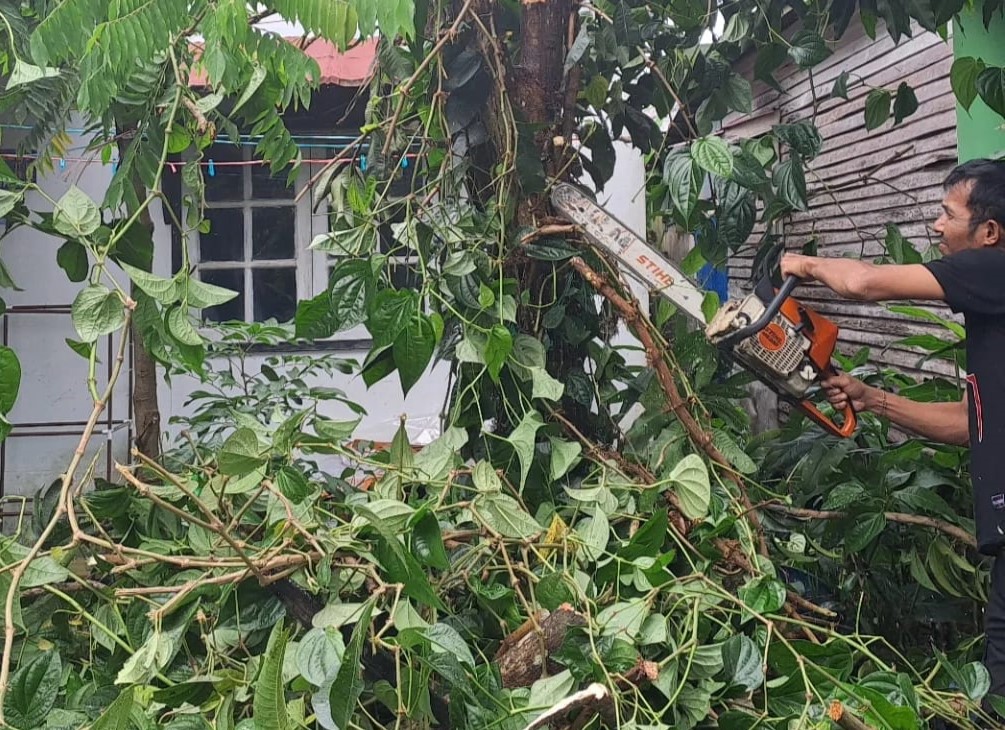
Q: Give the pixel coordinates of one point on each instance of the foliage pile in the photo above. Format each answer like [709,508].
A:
[271,572]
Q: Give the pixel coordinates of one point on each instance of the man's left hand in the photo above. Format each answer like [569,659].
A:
[794,264]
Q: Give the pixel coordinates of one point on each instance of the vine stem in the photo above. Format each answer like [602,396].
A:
[61,508]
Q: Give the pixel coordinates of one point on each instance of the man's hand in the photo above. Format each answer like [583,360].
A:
[794,264]
[842,389]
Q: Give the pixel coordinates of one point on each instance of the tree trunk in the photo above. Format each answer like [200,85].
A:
[146,410]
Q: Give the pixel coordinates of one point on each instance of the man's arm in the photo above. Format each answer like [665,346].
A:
[863,281]
[947,423]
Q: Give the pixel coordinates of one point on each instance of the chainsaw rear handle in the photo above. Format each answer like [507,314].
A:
[770,311]
[849,422]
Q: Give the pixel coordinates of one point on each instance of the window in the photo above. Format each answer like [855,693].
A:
[254,244]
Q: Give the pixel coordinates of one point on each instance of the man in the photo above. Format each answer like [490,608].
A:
[970,279]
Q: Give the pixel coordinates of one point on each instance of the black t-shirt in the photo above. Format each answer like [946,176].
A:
[974,284]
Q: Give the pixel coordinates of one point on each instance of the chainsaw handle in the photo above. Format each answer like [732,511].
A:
[848,424]
[770,311]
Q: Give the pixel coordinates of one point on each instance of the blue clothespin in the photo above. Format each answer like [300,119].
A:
[212,169]
[115,166]
[62,164]
[362,163]
[404,163]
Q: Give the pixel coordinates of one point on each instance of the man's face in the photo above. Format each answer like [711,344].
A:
[953,226]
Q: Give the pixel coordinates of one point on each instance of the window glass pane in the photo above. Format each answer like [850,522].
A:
[225,240]
[272,233]
[232,279]
[404,276]
[227,182]
[275,293]
[265,186]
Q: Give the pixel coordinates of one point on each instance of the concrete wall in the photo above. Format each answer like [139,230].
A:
[54,383]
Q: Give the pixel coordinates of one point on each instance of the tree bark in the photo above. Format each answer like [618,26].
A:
[524,653]
[146,410]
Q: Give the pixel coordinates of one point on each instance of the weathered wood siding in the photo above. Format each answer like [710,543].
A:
[863,180]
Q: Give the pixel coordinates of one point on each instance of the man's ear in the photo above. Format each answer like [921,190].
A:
[993,234]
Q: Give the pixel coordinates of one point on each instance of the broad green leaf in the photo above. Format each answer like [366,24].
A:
[763,595]
[877,108]
[117,715]
[710,305]
[96,312]
[319,655]
[145,661]
[963,78]
[390,311]
[790,182]
[72,258]
[741,661]
[803,137]
[446,639]
[623,619]
[840,88]
[680,175]
[76,215]
[179,325]
[545,386]
[349,284]
[348,684]
[548,691]
[733,453]
[33,690]
[712,154]
[564,456]
[899,248]
[25,73]
[436,458]
[497,349]
[505,515]
[413,349]
[335,431]
[485,478]
[808,49]
[427,542]
[904,104]
[522,440]
[335,615]
[202,295]
[864,531]
[690,478]
[241,453]
[594,531]
[10,379]
[163,290]
[991,87]
[975,680]
[257,77]
[270,708]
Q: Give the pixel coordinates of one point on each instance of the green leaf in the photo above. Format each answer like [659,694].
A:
[445,639]
[522,440]
[763,595]
[737,94]
[734,453]
[116,716]
[690,476]
[808,49]
[33,690]
[241,453]
[548,691]
[163,290]
[497,349]
[270,708]
[76,215]
[549,250]
[564,456]
[963,78]
[72,258]
[348,684]
[803,137]
[712,154]
[840,88]
[413,349]
[975,680]
[25,73]
[505,515]
[97,312]
[904,104]
[991,87]
[680,174]
[790,182]
[10,379]
[877,108]
[319,655]
[595,532]
[899,248]
[427,542]
[390,313]
[710,305]
[349,284]
[545,386]
[257,77]
[201,295]
[864,531]
[741,662]
[180,326]
[436,458]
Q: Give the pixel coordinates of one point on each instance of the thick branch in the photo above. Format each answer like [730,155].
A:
[840,714]
[945,527]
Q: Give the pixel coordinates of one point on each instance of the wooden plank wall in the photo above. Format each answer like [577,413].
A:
[863,180]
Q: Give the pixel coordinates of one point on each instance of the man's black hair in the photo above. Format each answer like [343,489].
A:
[987,190]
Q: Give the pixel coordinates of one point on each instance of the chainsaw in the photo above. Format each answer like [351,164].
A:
[783,342]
